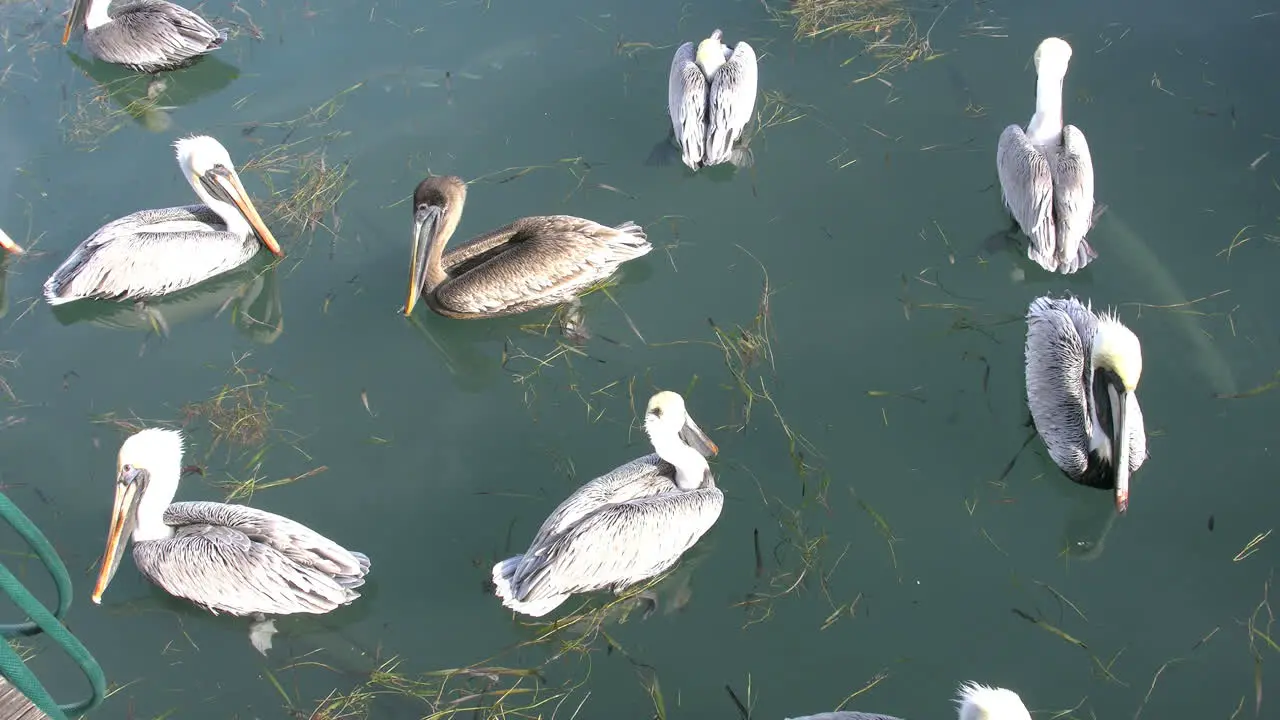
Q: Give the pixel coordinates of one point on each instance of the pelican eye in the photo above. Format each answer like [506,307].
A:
[656,412]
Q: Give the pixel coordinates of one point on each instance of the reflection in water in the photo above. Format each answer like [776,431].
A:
[148,99]
[250,292]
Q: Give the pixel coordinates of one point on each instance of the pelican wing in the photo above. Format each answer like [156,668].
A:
[149,253]
[732,103]
[687,105]
[1073,200]
[540,261]
[1056,364]
[238,560]
[152,35]
[619,545]
[1026,184]
[642,477]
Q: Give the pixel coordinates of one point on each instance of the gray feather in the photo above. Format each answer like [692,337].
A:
[1058,350]
[152,36]
[731,105]
[149,253]
[687,105]
[238,560]
[617,530]
[1049,192]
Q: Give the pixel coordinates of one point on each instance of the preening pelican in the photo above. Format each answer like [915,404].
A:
[533,262]
[226,558]
[976,702]
[1082,371]
[711,95]
[155,252]
[149,36]
[1046,173]
[623,527]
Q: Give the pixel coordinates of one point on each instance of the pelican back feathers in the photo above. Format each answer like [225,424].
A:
[152,36]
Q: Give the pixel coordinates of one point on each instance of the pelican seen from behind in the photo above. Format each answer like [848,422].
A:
[975,702]
[534,262]
[1046,172]
[1082,374]
[228,559]
[149,36]
[711,95]
[624,527]
[156,252]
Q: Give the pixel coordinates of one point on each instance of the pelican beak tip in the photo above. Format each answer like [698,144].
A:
[1122,502]
[97,598]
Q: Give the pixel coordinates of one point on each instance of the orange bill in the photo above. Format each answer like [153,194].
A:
[121,518]
[231,183]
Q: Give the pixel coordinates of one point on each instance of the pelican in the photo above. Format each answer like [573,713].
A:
[156,252]
[1046,173]
[533,262]
[976,702]
[711,94]
[149,36]
[1082,371]
[226,558]
[624,527]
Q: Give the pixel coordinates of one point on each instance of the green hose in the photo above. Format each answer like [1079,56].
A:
[11,666]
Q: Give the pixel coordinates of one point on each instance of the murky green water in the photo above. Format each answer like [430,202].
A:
[896,537]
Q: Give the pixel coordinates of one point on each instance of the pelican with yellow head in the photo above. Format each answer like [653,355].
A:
[1082,372]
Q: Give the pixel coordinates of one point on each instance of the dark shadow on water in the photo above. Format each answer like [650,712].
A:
[149,99]
[250,293]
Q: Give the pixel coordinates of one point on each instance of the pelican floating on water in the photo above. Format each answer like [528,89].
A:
[534,262]
[1082,371]
[226,558]
[711,95]
[624,527]
[149,36]
[976,702]
[156,252]
[1046,173]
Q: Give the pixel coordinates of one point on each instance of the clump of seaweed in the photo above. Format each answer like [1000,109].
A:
[886,30]
[239,414]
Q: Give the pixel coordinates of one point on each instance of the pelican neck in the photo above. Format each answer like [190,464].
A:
[1046,124]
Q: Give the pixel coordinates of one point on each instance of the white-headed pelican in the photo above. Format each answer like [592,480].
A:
[1082,373]
[156,252]
[1046,173]
[534,262]
[711,95]
[975,702]
[226,558]
[624,527]
[149,36]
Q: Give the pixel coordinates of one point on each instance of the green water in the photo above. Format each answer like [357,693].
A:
[895,353]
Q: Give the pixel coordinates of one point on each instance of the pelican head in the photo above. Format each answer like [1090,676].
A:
[150,460]
[207,166]
[1052,56]
[437,205]
[678,439]
[1116,358]
[979,702]
[710,55]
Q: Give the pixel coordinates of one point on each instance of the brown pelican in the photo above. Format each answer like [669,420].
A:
[149,36]
[155,252]
[226,558]
[1046,173]
[711,95]
[623,527]
[533,262]
[1082,371]
[976,702]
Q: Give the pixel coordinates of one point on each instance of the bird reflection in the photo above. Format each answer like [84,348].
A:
[250,293]
[149,99]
